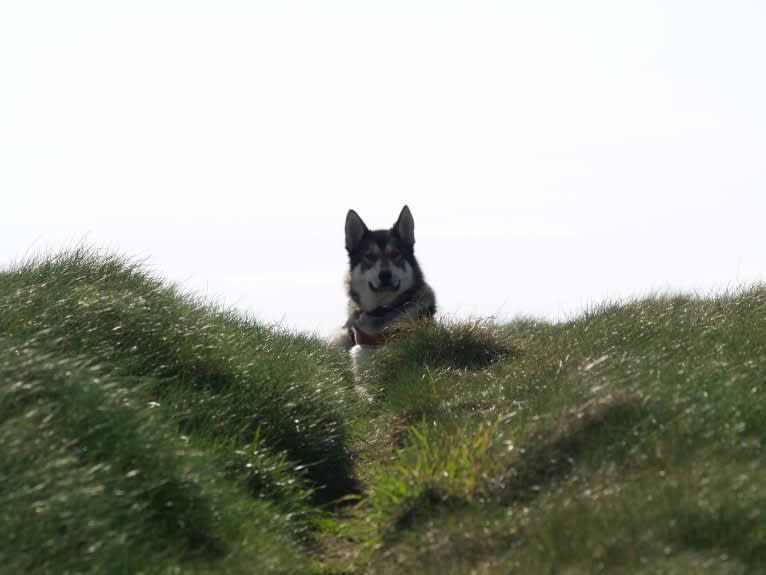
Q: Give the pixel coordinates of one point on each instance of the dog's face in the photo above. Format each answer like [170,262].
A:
[382,262]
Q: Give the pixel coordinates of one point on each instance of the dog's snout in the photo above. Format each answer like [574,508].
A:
[385,276]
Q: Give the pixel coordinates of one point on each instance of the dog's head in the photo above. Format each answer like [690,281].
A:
[383,265]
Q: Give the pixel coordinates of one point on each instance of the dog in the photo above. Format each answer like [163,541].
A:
[385,286]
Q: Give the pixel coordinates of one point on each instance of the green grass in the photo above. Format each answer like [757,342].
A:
[630,440]
[143,429]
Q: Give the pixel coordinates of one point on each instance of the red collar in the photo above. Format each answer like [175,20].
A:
[361,338]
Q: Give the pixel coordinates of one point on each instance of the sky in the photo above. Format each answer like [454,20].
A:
[555,155]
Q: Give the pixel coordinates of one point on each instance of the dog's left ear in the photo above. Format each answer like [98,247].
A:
[355,230]
[405,226]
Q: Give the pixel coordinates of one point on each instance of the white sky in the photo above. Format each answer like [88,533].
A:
[554,154]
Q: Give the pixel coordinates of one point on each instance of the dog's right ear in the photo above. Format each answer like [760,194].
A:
[355,230]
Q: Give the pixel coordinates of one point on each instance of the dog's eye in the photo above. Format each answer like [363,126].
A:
[370,257]
[395,255]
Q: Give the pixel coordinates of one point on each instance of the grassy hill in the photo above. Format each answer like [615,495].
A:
[142,429]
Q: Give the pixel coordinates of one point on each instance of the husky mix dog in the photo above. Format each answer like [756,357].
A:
[385,286]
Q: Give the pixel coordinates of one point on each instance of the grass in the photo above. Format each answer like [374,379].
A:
[144,430]
[630,440]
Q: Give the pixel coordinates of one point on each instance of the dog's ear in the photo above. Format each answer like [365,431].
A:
[355,230]
[405,226]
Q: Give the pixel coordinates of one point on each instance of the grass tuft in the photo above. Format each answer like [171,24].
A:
[473,345]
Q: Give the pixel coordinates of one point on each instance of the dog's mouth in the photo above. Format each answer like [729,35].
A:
[386,287]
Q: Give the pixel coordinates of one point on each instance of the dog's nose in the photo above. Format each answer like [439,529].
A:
[385,276]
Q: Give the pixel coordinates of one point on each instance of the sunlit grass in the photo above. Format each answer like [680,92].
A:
[144,430]
[142,427]
[629,440]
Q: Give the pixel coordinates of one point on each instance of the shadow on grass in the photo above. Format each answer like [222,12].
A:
[464,346]
[550,451]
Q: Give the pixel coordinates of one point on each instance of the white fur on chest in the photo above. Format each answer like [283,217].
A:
[361,360]
[361,355]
